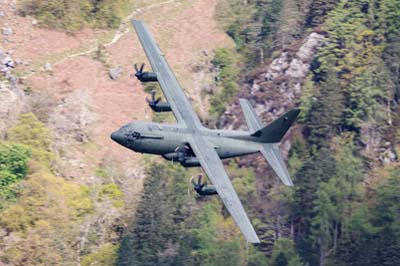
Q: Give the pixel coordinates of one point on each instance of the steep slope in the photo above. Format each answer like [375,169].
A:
[68,87]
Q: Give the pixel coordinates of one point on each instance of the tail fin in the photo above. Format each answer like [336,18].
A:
[275,131]
[270,136]
[253,121]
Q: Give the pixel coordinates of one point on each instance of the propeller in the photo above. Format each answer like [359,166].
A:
[139,70]
[199,185]
[182,152]
[153,101]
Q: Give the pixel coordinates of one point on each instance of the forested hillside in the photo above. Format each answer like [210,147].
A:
[68,197]
[343,154]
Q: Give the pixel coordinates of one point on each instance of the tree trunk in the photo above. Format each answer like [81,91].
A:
[291,229]
[322,254]
[278,227]
[335,236]
[261,55]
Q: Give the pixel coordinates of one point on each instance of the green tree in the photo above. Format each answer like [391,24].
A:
[13,168]
[325,116]
[72,15]
[35,135]
[225,62]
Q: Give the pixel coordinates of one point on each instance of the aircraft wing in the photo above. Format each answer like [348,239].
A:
[173,92]
[185,114]
[212,165]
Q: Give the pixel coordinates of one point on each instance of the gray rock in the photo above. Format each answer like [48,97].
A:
[10,107]
[297,69]
[19,61]
[47,67]
[7,62]
[114,73]
[313,41]
[391,155]
[34,22]
[7,31]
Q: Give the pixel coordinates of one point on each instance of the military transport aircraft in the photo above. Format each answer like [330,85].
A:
[191,144]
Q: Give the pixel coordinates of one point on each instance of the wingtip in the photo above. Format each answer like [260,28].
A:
[294,113]
[287,181]
[254,241]
[136,21]
[290,184]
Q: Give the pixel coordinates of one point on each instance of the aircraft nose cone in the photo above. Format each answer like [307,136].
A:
[117,137]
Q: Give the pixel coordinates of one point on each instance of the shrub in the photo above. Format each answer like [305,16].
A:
[225,62]
[72,15]
[13,168]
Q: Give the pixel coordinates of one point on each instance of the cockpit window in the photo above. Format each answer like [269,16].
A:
[135,135]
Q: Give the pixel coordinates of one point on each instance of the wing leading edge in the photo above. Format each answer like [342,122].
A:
[180,105]
[184,114]
[212,165]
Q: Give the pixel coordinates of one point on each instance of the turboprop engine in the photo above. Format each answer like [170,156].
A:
[202,188]
[145,76]
[157,105]
[185,161]
[183,155]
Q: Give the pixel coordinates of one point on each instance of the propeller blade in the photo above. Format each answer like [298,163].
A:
[148,101]
[199,179]
[157,100]
[142,67]
[153,95]
[194,183]
[136,67]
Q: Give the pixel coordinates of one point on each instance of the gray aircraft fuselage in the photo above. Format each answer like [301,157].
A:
[165,139]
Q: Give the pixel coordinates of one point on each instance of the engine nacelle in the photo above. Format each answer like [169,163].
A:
[147,77]
[206,190]
[185,162]
[160,107]
[190,162]
[173,156]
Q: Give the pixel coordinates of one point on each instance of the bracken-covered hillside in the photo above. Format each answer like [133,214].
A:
[69,196]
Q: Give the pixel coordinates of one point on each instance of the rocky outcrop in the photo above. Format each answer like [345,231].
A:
[71,118]
[275,90]
[11,95]
[10,107]
[7,65]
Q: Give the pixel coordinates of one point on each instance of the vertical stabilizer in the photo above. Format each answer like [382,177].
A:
[275,131]
[253,121]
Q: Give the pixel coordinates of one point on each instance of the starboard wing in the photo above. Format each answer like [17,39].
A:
[212,165]
[173,92]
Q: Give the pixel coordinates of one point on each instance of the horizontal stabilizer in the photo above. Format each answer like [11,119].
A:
[275,131]
[273,155]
